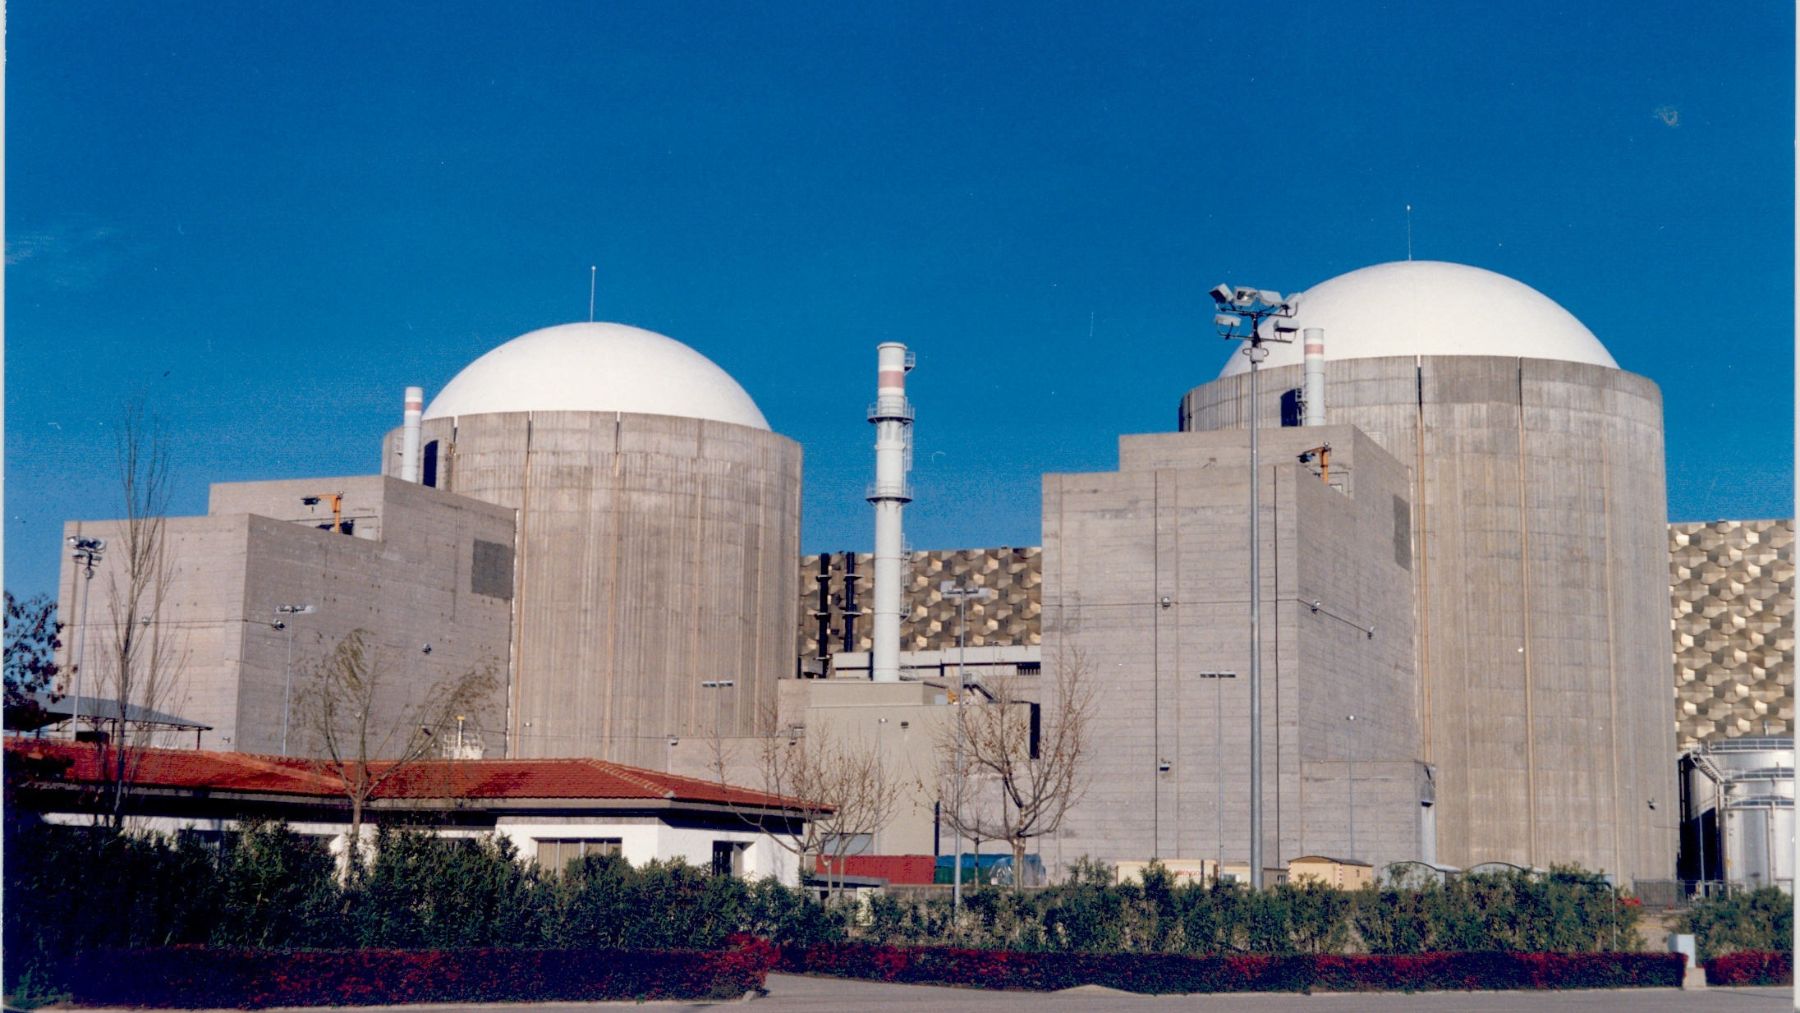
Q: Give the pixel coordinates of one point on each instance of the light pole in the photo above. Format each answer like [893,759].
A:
[1238,307]
[717,684]
[87,552]
[720,685]
[287,696]
[962,596]
[1218,679]
[1351,753]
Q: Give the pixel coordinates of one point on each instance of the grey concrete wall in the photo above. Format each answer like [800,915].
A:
[202,621]
[1172,522]
[1540,545]
[404,576]
[655,553]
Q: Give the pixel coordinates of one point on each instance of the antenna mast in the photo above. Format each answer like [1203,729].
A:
[1409,232]
[594,277]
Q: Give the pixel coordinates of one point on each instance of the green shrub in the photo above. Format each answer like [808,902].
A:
[425,891]
[277,889]
[1754,920]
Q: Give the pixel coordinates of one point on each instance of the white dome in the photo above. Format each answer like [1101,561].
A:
[597,368]
[1429,307]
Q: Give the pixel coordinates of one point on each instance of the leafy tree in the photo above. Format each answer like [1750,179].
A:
[32,640]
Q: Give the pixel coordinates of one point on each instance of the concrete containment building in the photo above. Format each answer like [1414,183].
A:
[1539,553]
[658,531]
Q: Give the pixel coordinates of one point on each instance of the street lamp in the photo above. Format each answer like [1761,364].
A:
[287,697]
[718,725]
[86,553]
[1350,752]
[961,596]
[1242,313]
[1219,763]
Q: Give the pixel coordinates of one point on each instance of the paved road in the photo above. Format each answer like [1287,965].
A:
[824,995]
[818,994]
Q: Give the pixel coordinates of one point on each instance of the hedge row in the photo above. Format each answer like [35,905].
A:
[1751,967]
[70,891]
[1158,974]
[194,976]
[1563,910]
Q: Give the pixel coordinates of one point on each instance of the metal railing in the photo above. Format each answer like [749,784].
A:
[890,409]
[901,491]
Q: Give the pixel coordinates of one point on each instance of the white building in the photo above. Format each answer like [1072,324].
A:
[551,810]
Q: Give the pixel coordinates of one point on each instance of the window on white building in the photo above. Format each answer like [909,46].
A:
[728,858]
[556,853]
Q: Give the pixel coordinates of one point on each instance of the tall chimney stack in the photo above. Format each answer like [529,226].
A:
[409,434]
[1314,337]
[892,415]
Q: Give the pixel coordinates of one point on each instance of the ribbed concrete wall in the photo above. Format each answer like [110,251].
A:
[1733,627]
[1168,744]
[655,553]
[1540,545]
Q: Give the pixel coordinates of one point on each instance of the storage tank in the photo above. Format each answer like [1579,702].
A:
[1539,528]
[1739,812]
[659,527]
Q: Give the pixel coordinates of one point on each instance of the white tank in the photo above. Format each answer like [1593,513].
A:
[1741,793]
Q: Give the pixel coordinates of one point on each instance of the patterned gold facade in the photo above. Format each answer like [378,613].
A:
[1733,627]
[928,621]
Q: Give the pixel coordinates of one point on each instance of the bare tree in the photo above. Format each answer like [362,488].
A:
[1011,768]
[849,792]
[140,660]
[363,737]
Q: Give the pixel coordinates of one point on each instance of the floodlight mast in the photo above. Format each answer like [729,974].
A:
[1241,314]
[87,553]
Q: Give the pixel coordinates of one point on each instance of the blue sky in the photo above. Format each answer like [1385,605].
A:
[267,219]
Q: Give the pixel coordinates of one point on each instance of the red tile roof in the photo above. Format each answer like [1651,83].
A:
[464,780]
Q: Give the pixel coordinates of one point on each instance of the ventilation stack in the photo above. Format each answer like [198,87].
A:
[409,434]
[1314,338]
[892,415]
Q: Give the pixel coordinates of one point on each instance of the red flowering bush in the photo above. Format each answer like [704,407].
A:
[1169,973]
[1751,967]
[197,976]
